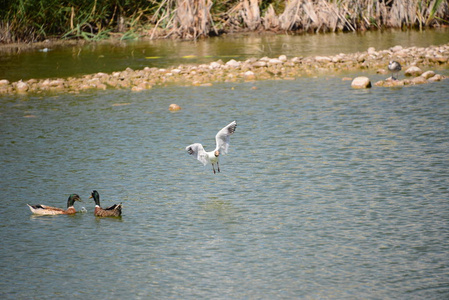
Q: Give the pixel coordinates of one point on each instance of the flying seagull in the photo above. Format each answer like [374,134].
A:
[394,67]
[222,139]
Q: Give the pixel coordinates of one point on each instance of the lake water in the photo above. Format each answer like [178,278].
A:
[326,193]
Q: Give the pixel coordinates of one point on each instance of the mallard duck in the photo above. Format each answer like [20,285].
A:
[40,209]
[222,144]
[112,211]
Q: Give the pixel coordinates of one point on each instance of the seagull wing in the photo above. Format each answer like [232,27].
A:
[223,137]
[198,152]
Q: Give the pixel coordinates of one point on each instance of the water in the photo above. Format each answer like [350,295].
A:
[107,57]
[327,192]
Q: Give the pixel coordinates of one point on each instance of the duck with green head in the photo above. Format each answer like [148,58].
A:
[112,211]
[40,209]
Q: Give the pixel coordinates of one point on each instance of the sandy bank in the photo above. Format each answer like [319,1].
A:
[236,71]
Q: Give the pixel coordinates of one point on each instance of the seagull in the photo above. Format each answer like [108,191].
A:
[222,139]
[394,67]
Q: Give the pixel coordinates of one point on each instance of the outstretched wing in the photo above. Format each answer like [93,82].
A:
[198,152]
[223,137]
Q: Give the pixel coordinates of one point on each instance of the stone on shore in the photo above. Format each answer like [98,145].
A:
[259,64]
[233,63]
[361,82]
[4,82]
[428,74]
[382,71]
[275,61]
[214,65]
[437,77]
[249,75]
[391,83]
[396,48]
[22,87]
[371,50]
[323,59]
[438,59]
[419,80]
[413,71]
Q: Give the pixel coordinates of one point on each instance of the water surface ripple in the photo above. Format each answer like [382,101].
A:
[327,193]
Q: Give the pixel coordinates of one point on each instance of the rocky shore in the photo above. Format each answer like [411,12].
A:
[252,69]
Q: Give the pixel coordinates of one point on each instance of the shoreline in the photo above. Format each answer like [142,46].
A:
[252,69]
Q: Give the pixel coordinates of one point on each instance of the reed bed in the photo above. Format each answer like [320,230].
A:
[30,21]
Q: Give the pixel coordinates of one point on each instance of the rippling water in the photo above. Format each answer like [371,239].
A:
[326,193]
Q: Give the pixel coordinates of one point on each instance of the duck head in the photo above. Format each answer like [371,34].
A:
[72,199]
[96,196]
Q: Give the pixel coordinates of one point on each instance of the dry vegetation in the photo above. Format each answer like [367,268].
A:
[29,21]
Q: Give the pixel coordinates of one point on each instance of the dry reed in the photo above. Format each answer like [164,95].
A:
[321,15]
[251,14]
[191,19]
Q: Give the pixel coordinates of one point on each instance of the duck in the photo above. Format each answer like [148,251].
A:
[40,209]
[222,140]
[394,67]
[112,211]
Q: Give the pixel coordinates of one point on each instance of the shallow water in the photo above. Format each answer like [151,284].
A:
[327,192]
[107,57]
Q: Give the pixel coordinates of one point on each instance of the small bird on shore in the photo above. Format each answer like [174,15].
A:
[112,211]
[222,144]
[40,209]
[394,67]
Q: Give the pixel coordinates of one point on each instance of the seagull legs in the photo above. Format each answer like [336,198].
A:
[218,168]
[392,76]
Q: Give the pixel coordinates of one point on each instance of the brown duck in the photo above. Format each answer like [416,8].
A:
[112,211]
[40,209]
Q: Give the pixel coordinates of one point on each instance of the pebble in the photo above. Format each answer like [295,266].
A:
[275,61]
[437,77]
[371,50]
[419,80]
[428,74]
[22,87]
[323,59]
[283,58]
[413,71]
[396,48]
[174,107]
[361,82]
[233,63]
[259,64]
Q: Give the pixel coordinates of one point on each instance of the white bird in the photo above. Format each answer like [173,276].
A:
[222,143]
[394,67]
